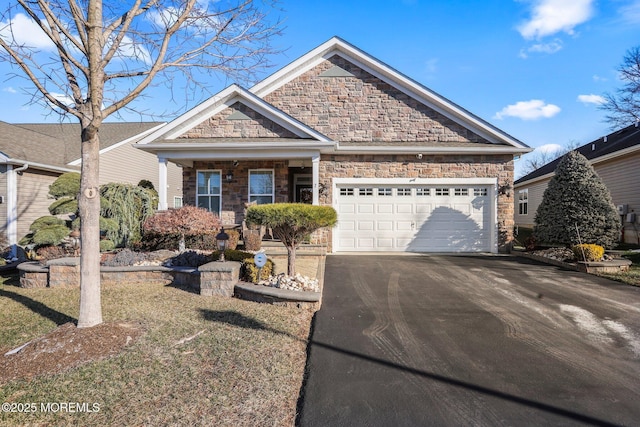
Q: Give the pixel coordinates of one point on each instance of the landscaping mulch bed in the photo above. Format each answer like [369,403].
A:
[65,348]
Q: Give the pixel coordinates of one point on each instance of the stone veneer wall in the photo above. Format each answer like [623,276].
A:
[363,108]
[236,193]
[219,126]
[441,166]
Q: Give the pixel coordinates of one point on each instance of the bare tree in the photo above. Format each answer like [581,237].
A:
[99,58]
[623,107]
[537,158]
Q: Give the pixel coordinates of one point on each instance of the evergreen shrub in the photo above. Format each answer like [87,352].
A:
[588,252]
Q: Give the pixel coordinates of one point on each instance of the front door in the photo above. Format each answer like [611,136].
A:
[303,188]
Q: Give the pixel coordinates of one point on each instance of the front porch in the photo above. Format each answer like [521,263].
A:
[227,187]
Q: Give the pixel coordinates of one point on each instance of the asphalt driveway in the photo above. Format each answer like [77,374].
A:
[471,340]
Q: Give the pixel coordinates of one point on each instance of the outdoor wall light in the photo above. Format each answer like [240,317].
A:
[505,189]
[235,163]
[229,176]
[221,241]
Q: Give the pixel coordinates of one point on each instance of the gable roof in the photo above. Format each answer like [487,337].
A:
[337,46]
[223,100]
[19,146]
[615,144]
[67,135]
[56,146]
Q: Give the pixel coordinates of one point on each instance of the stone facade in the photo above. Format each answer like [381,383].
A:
[256,126]
[449,166]
[235,194]
[357,109]
[363,108]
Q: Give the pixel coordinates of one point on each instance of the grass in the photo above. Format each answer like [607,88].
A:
[244,369]
[630,277]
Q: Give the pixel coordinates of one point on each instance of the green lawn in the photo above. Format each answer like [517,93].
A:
[244,366]
[631,277]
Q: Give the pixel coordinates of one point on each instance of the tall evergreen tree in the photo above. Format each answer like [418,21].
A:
[576,196]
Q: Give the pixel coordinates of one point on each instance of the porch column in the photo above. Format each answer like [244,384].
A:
[162,184]
[315,174]
[12,209]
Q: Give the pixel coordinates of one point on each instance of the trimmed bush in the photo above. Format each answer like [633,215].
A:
[186,221]
[292,223]
[107,245]
[51,235]
[66,185]
[248,269]
[588,252]
[63,206]
[45,221]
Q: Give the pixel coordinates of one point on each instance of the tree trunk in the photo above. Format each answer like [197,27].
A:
[89,207]
[89,198]
[291,260]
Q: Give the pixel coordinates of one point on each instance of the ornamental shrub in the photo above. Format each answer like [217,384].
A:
[292,223]
[129,207]
[588,252]
[185,221]
[576,196]
[66,185]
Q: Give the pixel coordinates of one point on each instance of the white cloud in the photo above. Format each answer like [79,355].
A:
[597,78]
[591,99]
[528,110]
[549,148]
[630,12]
[22,30]
[10,90]
[553,16]
[551,47]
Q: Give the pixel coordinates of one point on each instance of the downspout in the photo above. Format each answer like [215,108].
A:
[12,207]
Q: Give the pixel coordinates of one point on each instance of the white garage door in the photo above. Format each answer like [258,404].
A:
[414,218]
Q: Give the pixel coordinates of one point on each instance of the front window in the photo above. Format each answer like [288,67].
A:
[209,191]
[261,186]
[523,202]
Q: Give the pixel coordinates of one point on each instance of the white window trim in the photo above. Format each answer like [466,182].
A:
[273,184]
[219,171]
[524,201]
[178,198]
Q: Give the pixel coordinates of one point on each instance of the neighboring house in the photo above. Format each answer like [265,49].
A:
[616,159]
[33,156]
[405,168]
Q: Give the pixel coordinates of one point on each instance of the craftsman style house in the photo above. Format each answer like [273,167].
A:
[405,168]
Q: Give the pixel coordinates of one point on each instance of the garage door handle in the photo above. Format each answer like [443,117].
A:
[413,225]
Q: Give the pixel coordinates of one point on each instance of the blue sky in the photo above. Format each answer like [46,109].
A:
[533,68]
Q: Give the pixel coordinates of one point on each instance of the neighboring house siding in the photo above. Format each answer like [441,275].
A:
[536,190]
[126,164]
[622,178]
[362,108]
[33,197]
